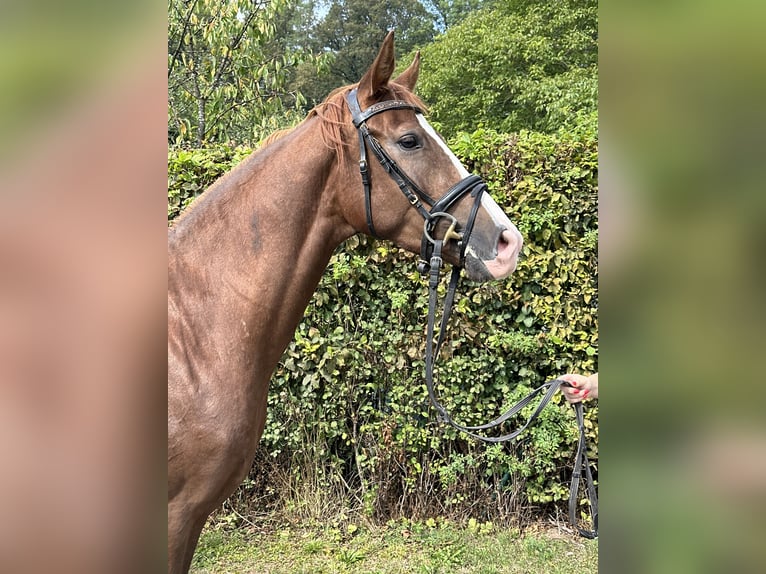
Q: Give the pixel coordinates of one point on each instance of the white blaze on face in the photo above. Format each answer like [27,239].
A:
[489,205]
[440,142]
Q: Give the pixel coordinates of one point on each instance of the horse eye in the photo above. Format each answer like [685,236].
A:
[409,142]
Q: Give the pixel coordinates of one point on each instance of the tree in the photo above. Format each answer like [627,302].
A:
[523,64]
[351,32]
[451,12]
[227,71]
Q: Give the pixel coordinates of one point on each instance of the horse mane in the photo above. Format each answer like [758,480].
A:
[331,112]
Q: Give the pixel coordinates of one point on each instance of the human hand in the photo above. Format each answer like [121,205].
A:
[582,387]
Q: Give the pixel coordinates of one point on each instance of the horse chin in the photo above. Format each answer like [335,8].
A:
[482,270]
[476,270]
[485,264]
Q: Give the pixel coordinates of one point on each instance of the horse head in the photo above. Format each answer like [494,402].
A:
[415,189]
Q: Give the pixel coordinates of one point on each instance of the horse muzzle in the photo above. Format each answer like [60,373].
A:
[486,263]
[487,245]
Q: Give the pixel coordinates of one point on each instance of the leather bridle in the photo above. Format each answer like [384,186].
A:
[417,198]
[431,263]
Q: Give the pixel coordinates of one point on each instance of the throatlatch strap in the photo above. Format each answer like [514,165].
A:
[364,170]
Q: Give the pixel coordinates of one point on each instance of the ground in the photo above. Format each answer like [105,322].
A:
[400,547]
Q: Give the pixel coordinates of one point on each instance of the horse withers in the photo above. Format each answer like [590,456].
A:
[246,257]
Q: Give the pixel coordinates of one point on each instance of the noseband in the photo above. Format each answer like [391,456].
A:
[431,262]
[417,198]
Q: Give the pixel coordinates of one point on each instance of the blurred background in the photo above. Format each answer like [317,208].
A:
[683,453]
[83,112]
[83,144]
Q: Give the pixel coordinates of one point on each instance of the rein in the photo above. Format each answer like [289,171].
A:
[431,263]
[549,389]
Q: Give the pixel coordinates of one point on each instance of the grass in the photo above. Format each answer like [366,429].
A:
[397,548]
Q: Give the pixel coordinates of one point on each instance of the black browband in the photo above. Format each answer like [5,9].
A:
[472,184]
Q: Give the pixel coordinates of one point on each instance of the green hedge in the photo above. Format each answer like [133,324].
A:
[191,171]
[349,393]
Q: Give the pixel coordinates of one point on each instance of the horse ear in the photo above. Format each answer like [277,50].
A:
[409,77]
[377,77]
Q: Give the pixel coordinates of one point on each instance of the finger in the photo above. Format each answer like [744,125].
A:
[569,379]
[571,395]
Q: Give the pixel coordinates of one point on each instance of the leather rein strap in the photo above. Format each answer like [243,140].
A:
[431,263]
[547,390]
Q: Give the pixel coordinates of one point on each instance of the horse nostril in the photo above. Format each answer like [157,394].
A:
[504,241]
[509,243]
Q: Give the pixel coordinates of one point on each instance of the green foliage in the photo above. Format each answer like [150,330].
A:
[415,547]
[228,70]
[348,398]
[190,172]
[450,12]
[520,64]
[351,32]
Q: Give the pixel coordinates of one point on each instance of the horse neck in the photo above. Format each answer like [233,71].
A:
[247,259]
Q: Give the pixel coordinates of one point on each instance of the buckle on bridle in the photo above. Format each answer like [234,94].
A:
[426,251]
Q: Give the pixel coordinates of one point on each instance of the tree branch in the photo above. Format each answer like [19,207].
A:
[177,51]
[227,59]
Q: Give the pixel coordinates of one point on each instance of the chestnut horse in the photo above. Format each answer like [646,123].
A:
[246,257]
